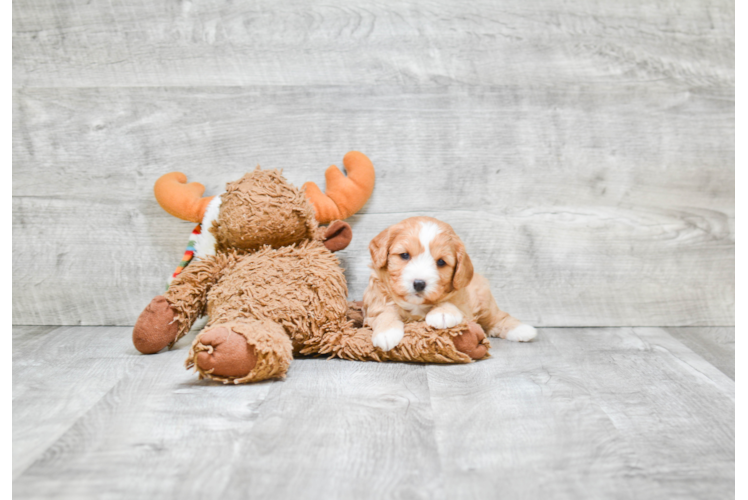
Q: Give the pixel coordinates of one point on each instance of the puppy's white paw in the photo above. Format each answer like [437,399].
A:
[523,333]
[389,338]
[442,319]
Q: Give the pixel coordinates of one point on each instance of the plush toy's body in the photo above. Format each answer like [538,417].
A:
[267,278]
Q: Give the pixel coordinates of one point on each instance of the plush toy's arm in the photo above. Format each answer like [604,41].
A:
[421,343]
[170,316]
[188,293]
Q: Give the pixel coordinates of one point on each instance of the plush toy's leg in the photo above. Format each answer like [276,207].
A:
[155,327]
[242,350]
[421,343]
[170,316]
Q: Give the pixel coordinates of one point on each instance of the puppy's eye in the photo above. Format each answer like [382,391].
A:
[405,256]
[441,263]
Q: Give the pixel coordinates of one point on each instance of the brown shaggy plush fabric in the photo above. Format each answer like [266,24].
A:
[261,209]
[421,343]
[270,346]
[188,293]
[274,288]
[301,287]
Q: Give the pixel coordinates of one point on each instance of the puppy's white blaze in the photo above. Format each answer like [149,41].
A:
[389,338]
[428,232]
[523,333]
[422,266]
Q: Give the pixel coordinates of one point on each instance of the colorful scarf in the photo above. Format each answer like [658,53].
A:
[189,253]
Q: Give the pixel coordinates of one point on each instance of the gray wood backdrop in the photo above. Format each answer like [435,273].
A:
[583,150]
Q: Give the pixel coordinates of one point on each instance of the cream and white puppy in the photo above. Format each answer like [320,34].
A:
[420,270]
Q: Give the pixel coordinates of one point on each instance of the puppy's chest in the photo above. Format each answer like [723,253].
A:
[412,312]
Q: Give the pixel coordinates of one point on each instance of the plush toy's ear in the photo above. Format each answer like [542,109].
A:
[463,268]
[338,236]
[380,248]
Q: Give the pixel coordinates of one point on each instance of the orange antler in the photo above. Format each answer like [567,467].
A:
[344,195]
[179,198]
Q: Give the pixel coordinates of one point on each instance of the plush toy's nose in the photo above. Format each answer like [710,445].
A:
[419,285]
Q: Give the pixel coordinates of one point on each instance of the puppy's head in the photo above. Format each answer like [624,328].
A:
[421,260]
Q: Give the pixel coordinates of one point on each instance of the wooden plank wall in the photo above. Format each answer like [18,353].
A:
[584,150]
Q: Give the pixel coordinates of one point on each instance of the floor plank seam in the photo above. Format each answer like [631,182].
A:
[437,443]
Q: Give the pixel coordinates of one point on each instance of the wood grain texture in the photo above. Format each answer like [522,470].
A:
[741,358]
[58,375]
[716,345]
[580,413]
[429,42]
[741,283]
[343,430]
[587,413]
[583,205]
[583,150]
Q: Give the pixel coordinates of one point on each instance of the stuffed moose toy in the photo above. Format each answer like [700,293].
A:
[265,274]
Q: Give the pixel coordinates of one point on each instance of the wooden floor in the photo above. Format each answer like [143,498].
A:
[580,413]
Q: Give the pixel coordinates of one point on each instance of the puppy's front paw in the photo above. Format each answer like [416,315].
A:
[440,318]
[389,338]
[523,333]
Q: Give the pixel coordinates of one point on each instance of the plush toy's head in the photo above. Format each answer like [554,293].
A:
[262,208]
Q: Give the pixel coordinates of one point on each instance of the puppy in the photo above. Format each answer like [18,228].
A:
[420,269]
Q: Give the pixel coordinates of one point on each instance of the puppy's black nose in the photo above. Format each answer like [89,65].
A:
[419,285]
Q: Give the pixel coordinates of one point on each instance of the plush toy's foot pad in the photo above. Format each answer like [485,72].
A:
[225,353]
[155,328]
[241,351]
[471,341]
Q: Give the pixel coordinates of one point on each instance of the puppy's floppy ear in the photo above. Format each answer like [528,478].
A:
[463,268]
[380,248]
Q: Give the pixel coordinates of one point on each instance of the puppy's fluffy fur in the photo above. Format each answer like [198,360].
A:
[420,269]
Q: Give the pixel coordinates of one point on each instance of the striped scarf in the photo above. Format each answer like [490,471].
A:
[189,253]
